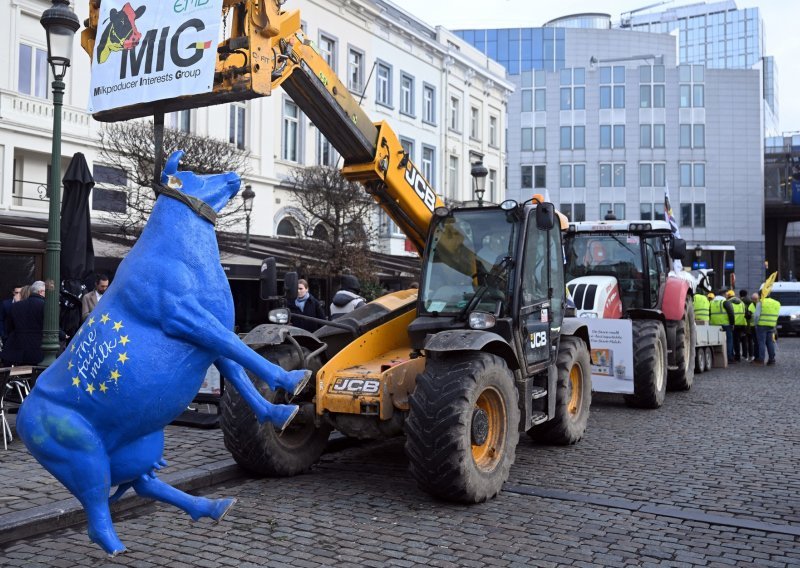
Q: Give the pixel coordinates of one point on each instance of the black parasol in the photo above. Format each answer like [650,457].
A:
[77,251]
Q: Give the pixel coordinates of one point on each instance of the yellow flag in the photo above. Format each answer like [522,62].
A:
[766,288]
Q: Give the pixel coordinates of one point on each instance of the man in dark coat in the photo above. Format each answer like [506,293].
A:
[5,311]
[24,329]
[347,298]
[307,305]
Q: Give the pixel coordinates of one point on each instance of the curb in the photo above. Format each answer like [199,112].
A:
[69,512]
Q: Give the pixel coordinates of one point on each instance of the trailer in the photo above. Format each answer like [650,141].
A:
[711,348]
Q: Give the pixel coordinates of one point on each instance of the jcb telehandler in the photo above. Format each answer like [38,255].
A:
[481,352]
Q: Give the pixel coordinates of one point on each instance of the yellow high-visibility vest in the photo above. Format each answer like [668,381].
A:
[702,306]
[738,313]
[718,314]
[769,312]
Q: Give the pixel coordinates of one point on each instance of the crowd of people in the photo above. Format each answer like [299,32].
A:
[22,321]
[749,322]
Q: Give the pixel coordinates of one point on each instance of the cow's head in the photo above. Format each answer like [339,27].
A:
[121,32]
[214,189]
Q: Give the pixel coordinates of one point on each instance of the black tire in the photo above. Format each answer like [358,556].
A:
[682,377]
[573,395]
[257,447]
[463,427]
[699,360]
[709,356]
[649,365]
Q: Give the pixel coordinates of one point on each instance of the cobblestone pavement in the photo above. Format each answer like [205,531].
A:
[711,479]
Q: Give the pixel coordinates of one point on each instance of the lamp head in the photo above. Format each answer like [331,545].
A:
[60,23]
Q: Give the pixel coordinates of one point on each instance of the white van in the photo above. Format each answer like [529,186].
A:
[788,294]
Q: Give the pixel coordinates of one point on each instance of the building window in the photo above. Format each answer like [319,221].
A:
[383,84]
[475,123]
[566,98]
[618,209]
[686,136]
[406,94]
[539,177]
[492,185]
[652,175]
[605,136]
[699,138]
[453,176]
[539,138]
[565,177]
[579,137]
[290,139]
[645,99]
[33,71]
[181,120]
[574,211]
[286,228]
[619,136]
[110,190]
[455,114]
[527,139]
[651,88]
[693,215]
[692,174]
[612,175]
[645,136]
[408,146]
[612,87]
[429,104]
[659,136]
[428,157]
[236,125]
[540,98]
[566,138]
[612,136]
[355,70]
[326,154]
[527,177]
[327,47]
[652,211]
[493,131]
[527,100]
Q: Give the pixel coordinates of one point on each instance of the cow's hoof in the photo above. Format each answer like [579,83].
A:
[286,416]
[295,382]
[221,508]
[108,541]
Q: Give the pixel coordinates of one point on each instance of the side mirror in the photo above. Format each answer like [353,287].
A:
[290,286]
[269,279]
[677,249]
[545,216]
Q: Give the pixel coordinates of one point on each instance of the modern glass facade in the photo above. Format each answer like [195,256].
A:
[520,49]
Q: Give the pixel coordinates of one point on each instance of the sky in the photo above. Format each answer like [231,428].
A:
[780,18]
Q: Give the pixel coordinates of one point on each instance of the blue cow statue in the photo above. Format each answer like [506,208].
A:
[96,417]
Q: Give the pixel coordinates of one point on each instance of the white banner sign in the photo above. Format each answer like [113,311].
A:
[612,355]
[149,50]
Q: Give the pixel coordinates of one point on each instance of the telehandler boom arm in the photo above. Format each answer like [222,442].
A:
[267,48]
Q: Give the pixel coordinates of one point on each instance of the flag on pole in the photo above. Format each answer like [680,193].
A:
[673,225]
[766,288]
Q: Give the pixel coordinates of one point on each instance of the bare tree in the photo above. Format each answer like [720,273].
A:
[338,213]
[130,146]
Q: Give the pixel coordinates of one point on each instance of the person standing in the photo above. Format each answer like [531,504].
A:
[5,310]
[25,324]
[347,298]
[766,319]
[307,305]
[739,323]
[751,310]
[89,301]
[702,305]
[722,315]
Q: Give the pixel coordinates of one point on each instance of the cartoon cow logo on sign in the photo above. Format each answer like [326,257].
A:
[121,32]
[96,417]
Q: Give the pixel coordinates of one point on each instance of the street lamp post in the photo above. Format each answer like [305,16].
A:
[479,173]
[247,198]
[60,23]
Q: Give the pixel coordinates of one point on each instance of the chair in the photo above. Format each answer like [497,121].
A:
[13,390]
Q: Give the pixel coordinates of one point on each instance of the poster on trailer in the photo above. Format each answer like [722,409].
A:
[149,50]
[611,355]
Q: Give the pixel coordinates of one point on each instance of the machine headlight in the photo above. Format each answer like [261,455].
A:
[279,316]
[481,320]
[588,315]
[795,316]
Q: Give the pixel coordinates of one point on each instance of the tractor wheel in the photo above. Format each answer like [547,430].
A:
[573,395]
[463,427]
[649,365]
[682,377]
[258,448]
[699,360]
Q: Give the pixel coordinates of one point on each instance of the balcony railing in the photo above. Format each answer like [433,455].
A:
[30,194]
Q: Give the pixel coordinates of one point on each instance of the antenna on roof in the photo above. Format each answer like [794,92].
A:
[625,17]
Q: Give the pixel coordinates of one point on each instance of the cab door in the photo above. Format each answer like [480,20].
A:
[535,307]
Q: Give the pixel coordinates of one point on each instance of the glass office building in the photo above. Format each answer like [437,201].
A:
[520,49]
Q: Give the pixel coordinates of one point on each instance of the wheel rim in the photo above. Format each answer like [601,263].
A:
[660,374]
[576,390]
[489,428]
[687,343]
